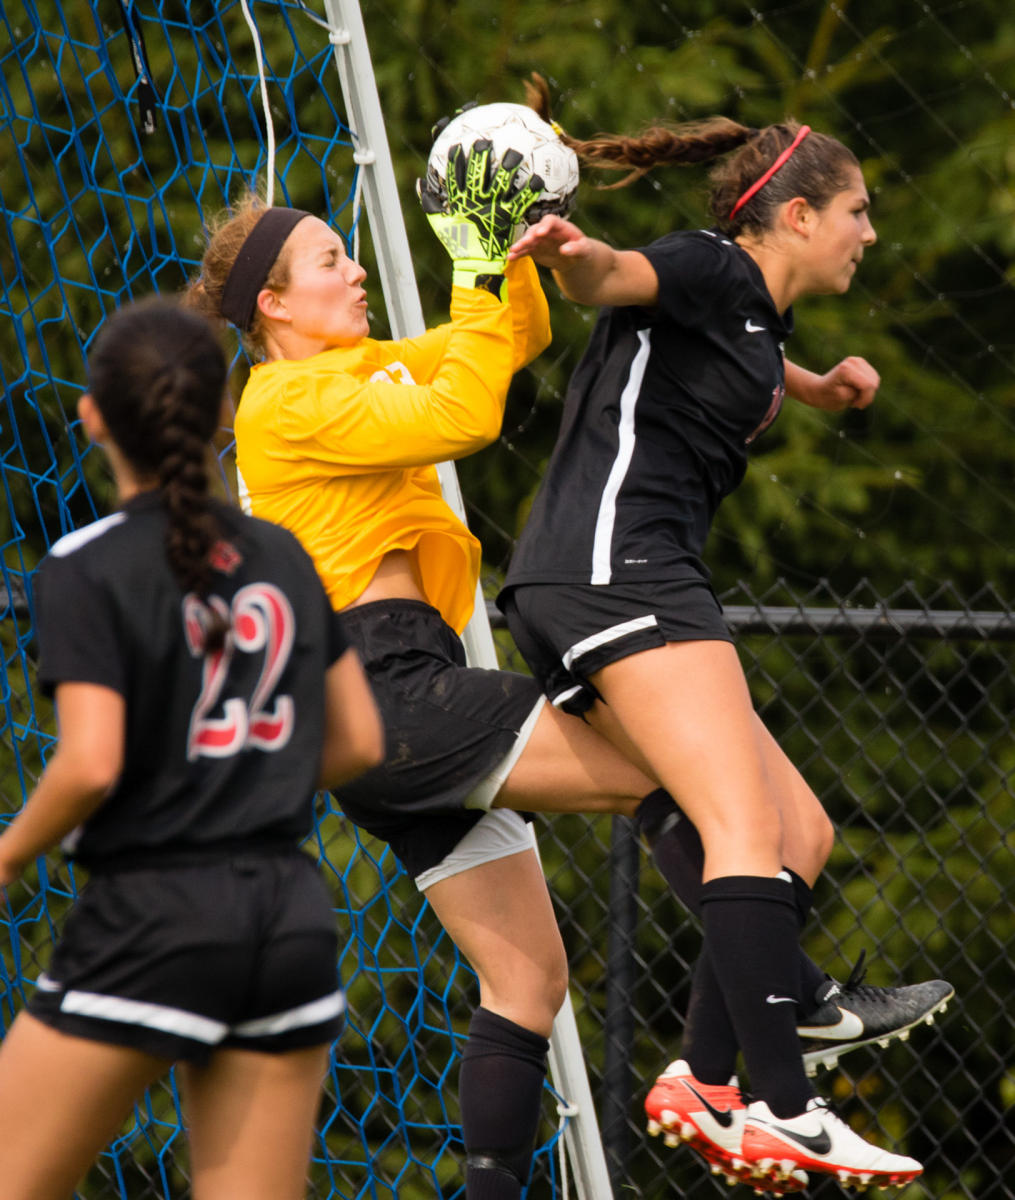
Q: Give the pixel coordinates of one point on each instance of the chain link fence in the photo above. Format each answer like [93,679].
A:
[898,711]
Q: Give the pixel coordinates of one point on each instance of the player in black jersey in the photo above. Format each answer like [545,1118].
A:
[204,690]
[333,421]
[609,600]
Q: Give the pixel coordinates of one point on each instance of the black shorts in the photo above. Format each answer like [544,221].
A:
[179,961]
[567,632]
[448,728]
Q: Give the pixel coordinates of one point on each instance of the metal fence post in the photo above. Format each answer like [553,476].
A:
[620,979]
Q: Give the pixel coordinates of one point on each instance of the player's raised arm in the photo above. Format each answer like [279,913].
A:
[852,383]
[588,271]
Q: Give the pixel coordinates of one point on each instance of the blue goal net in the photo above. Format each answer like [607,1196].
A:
[124,127]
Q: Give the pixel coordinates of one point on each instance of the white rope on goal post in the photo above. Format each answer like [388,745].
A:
[394,262]
[269,124]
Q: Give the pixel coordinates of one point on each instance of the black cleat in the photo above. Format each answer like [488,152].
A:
[856,1014]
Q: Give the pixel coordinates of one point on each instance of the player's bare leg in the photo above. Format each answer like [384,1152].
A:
[807,831]
[250,1119]
[500,916]
[62,1099]
[686,710]
[569,767]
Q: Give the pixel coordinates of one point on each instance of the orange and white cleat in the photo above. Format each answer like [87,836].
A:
[818,1141]
[710,1119]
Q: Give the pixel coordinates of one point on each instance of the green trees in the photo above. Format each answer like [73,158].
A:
[918,487]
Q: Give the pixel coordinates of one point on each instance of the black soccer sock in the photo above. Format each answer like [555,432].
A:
[709,1044]
[500,1089]
[811,975]
[751,938]
[680,858]
[675,846]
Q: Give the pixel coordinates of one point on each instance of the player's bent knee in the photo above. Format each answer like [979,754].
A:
[556,990]
[533,1001]
[824,838]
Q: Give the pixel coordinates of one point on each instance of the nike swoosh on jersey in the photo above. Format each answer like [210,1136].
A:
[772,999]
[722,1116]
[817,1143]
[752,328]
[848,1026]
[45,984]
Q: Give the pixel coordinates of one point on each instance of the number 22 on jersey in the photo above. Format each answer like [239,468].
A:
[262,623]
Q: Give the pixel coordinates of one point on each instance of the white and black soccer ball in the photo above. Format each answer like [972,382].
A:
[512,127]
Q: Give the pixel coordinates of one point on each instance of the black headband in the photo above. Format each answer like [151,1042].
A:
[253,263]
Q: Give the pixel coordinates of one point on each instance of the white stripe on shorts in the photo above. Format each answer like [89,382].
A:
[562,698]
[605,636]
[485,792]
[313,1013]
[141,1012]
[497,834]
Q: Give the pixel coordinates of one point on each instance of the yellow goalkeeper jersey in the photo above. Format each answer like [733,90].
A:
[340,447]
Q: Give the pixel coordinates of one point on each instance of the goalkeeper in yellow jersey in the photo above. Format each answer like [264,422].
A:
[337,439]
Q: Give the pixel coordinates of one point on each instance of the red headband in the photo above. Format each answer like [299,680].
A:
[781,161]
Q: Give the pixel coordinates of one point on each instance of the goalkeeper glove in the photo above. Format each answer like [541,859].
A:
[476,216]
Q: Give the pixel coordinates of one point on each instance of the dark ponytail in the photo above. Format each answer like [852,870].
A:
[157,374]
[656,145]
[819,168]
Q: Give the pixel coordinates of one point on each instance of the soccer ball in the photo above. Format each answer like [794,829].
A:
[513,127]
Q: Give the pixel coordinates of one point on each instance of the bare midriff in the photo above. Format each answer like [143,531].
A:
[394,579]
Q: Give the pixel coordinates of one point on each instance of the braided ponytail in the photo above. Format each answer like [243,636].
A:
[183,478]
[661,145]
[157,375]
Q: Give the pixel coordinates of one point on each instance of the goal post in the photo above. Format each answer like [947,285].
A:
[394,263]
[124,129]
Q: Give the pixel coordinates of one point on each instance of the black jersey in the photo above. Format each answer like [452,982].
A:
[657,420]
[219,747]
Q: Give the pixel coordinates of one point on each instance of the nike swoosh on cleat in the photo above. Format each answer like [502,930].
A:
[752,328]
[816,1143]
[722,1116]
[848,1026]
[773,999]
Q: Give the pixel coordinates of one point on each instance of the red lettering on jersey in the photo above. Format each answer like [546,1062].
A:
[261,621]
[773,411]
[264,621]
[225,557]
